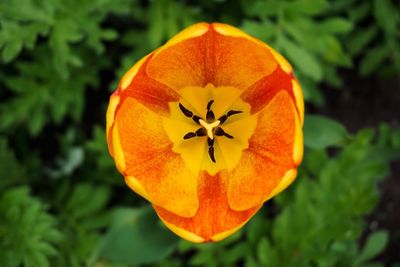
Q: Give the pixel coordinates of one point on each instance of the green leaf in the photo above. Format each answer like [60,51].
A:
[264,30]
[260,8]
[28,232]
[373,60]
[304,60]
[336,25]
[374,245]
[11,171]
[83,215]
[266,253]
[308,7]
[334,52]
[360,12]
[156,32]
[136,238]
[360,39]
[321,132]
[386,16]
[11,50]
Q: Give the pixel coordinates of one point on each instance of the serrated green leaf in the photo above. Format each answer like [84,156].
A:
[24,227]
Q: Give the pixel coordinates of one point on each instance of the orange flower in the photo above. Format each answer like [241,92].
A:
[207,128]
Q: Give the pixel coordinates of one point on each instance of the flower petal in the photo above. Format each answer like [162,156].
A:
[112,106]
[212,57]
[235,65]
[263,91]
[268,157]
[229,30]
[181,64]
[214,219]
[146,90]
[161,175]
[298,94]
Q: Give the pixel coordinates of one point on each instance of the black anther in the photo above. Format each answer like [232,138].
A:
[196,119]
[189,135]
[210,116]
[209,104]
[227,115]
[223,119]
[220,132]
[201,132]
[185,111]
[233,112]
[211,153]
[210,141]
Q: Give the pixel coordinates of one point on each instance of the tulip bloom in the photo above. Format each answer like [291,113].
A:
[207,128]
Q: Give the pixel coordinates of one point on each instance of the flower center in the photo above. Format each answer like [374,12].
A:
[229,138]
[210,126]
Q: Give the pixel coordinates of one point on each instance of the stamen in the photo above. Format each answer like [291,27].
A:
[210,143]
[196,119]
[220,132]
[211,153]
[233,112]
[201,132]
[189,135]
[210,116]
[185,111]
[209,104]
[223,118]
[208,126]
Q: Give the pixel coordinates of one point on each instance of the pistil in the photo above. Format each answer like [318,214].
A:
[209,127]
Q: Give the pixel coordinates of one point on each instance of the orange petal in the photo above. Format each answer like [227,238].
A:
[126,80]
[269,156]
[181,64]
[152,168]
[146,90]
[215,219]
[240,62]
[263,91]
[211,58]
[229,30]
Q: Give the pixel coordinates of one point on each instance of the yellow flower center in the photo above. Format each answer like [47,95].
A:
[211,121]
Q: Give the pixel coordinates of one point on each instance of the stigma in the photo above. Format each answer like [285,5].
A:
[209,127]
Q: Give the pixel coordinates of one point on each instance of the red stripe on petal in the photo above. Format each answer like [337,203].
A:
[149,92]
[263,91]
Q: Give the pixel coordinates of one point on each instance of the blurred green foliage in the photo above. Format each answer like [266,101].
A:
[62,202]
